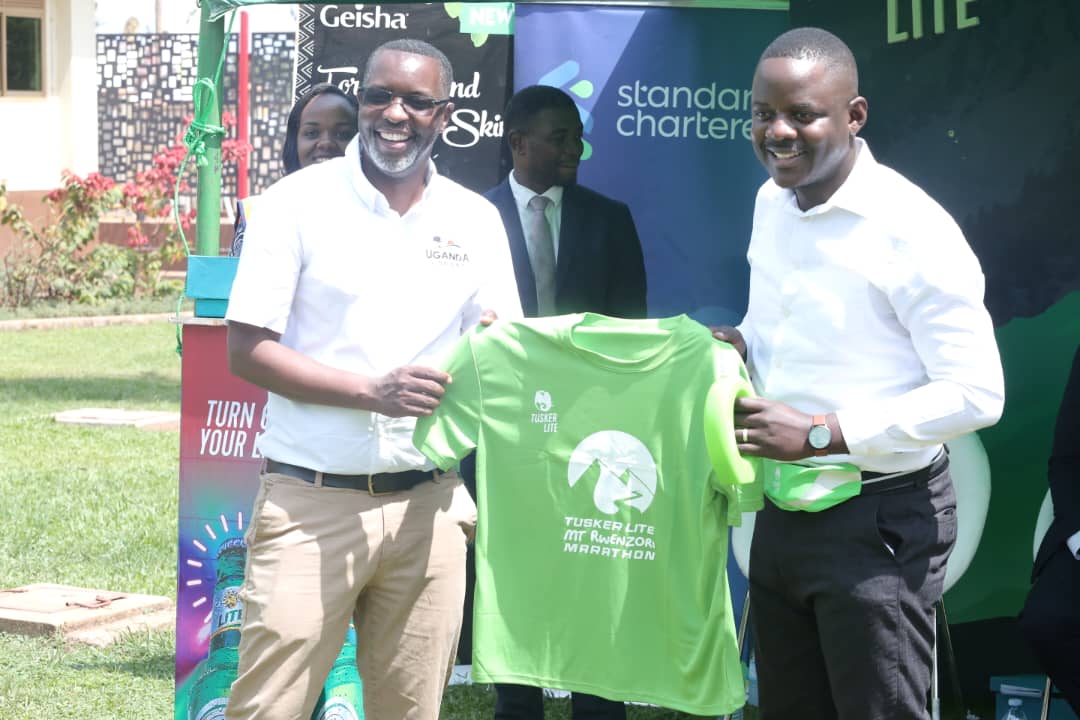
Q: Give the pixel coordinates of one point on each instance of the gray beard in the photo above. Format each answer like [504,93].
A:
[400,165]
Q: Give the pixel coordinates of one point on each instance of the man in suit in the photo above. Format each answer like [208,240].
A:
[1051,616]
[598,261]
[574,250]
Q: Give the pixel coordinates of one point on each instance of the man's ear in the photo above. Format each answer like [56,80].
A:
[516,140]
[447,110]
[858,111]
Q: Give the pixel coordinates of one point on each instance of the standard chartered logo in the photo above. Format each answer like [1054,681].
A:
[564,76]
[706,112]
[622,466]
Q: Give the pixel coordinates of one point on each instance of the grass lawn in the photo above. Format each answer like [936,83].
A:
[87,506]
[96,507]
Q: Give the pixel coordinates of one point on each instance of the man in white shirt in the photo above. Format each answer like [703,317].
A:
[867,338]
[358,276]
[1051,616]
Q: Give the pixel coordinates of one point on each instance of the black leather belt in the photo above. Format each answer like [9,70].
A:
[915,478]
[374,483]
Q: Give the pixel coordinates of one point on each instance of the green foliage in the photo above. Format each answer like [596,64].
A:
[61,260]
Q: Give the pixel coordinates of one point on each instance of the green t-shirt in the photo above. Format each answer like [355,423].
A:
[602,538]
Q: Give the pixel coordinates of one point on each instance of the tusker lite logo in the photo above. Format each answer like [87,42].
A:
[544,417]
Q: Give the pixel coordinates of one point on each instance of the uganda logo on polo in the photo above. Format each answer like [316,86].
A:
[446,252]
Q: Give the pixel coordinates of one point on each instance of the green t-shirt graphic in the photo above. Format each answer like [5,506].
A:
[603,526]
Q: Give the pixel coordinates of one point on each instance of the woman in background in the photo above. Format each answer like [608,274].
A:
[320,125]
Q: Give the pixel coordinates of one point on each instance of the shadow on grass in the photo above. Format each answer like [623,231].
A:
[72,390]
[123,659]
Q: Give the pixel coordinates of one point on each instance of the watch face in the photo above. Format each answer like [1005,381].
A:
[820,437]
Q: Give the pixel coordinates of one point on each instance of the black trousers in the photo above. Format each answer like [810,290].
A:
[843,603]
[521,702]
[1050,621]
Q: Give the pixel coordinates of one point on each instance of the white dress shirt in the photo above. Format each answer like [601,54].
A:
[522,196]
[348,281]
[870,305]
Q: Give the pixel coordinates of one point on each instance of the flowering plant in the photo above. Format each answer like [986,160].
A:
[63,260]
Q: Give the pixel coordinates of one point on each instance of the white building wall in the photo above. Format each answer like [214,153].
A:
[42,136]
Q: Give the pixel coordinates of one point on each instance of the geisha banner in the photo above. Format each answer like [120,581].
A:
[219,8]
[334,42]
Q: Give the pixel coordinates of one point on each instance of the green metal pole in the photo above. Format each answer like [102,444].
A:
[208,196]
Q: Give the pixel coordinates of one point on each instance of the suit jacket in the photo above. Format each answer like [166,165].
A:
[1064,472]
[600,267]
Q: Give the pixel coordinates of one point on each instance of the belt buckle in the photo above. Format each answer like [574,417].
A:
[371,487]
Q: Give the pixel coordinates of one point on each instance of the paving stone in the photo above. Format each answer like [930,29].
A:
[144,419]
[107,634]
[50,609]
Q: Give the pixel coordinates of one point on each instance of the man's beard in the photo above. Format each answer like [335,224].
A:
[398,165]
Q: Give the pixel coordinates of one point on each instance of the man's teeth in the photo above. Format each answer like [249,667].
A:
[394,137]
[784,154]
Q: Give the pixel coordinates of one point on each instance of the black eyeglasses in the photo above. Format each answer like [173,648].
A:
[378,98]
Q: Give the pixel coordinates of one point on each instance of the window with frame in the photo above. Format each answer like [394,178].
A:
[22,37]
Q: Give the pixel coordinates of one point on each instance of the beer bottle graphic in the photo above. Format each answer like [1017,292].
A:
[211,690]
[342,697]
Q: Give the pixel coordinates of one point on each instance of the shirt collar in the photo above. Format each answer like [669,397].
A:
[369,194]
[857,194]
[522,195]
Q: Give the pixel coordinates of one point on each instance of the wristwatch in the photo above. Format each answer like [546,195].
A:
[820,436]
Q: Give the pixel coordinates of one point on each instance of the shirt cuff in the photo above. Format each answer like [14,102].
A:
[1074,544]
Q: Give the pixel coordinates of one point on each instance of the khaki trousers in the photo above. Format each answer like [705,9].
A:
[318,555]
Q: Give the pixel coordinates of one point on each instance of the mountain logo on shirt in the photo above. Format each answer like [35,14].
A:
[446,252]
[620,468]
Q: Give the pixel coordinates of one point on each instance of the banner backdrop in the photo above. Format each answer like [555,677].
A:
[664,97]
[955,95]
[334,42]
[221,417]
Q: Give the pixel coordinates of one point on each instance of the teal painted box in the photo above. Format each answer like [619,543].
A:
[209,281]
[1028,688]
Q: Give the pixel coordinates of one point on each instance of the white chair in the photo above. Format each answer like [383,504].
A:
[1042,524]
[970,471]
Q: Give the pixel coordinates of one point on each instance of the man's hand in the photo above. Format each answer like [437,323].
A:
[409,391]
[731,336]
[487,317]
[771,429]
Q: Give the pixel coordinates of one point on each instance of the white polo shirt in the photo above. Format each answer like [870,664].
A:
[350,283]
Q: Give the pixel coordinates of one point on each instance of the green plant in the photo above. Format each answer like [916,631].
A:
[61,260]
